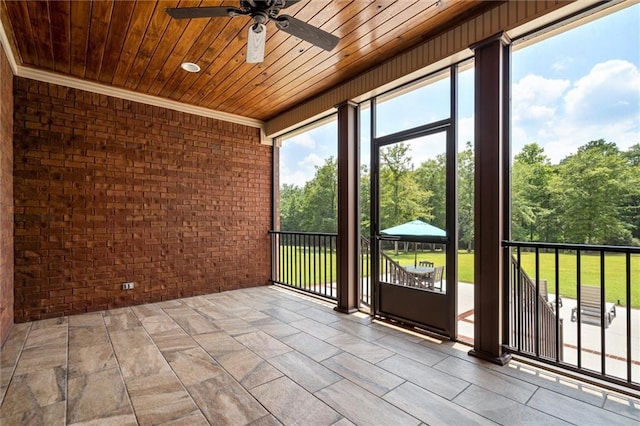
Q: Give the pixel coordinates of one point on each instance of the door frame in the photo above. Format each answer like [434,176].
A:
[397,297]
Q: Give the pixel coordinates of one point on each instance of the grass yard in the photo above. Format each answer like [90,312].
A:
[615,270]
[300,267]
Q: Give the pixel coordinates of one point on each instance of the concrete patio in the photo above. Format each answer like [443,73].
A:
[270,356]
[615,336]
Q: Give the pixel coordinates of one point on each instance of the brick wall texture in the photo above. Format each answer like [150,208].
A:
[6,196]
[109,191]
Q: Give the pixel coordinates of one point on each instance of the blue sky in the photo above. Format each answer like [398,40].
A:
[580,85]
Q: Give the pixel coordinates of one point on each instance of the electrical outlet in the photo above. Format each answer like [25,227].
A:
[127,286]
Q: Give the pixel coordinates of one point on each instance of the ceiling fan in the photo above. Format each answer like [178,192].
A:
[261,11]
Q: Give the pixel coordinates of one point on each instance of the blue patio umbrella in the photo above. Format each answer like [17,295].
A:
[415,228]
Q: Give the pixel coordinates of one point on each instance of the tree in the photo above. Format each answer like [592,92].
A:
[431,176]
[365,201]
[466,208]
[394,167]
[591,197]
[593,188]
[631,212]
[320,203]
[291,199]
[532,204]
[633,155]
[401,198]
[522,210]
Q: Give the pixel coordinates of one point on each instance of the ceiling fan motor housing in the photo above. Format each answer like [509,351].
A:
[260,17]
[262,10]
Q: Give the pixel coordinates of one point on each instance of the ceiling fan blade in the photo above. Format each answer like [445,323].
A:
[289,3]
[201,12]
[306,32]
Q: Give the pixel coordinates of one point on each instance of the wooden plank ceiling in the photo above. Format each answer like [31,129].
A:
[135,45]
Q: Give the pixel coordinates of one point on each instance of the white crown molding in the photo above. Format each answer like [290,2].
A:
[103,89]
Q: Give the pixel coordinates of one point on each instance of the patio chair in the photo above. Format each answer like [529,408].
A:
[435,278]
[590,307]
[426,263]
[544,292]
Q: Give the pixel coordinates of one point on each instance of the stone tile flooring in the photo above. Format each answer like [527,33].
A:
[267,356]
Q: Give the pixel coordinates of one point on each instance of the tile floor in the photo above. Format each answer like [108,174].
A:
[266,356]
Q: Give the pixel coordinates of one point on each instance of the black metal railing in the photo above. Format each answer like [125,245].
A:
[305,261]
[588,323]
[536,329]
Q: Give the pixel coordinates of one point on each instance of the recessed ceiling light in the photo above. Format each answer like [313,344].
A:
[190,67]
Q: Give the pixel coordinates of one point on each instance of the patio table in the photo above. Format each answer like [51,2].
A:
[419,270]
[422,273]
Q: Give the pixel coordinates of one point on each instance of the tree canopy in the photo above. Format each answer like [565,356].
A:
[402,198]
[591,197]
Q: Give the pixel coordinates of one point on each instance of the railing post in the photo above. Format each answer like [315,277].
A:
[491,111]
[348,208]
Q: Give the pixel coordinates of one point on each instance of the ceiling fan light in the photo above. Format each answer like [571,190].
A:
[190,67]
[255,43]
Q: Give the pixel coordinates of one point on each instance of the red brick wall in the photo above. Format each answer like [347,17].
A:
[6,197]
[109,191]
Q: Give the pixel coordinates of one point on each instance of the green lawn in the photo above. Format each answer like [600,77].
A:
[294,270]
[615,270]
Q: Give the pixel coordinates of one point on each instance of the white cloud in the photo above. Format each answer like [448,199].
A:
[519,139]
[538,89]
[570,136]
[540,112]
[611,91]
[303,171]
[562,64]
[426,148]
[605,104]
[310,161]
[304,140]
[297,178]
[536,98]
[465,132]
[564,137]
